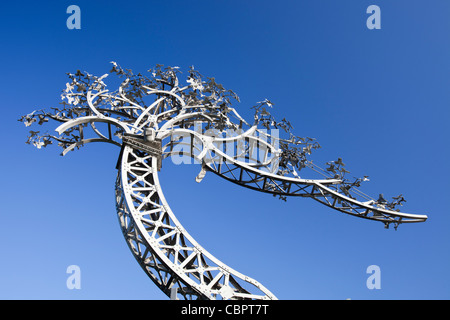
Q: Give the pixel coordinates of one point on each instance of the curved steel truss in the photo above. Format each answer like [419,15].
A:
[163,248]
[154,118]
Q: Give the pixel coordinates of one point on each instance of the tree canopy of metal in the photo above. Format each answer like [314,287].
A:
[161,115]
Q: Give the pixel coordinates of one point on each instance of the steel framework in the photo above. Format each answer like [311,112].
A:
[153,118]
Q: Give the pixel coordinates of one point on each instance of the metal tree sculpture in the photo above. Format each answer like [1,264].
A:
[152,118]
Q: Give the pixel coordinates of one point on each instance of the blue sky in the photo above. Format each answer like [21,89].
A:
[377,98]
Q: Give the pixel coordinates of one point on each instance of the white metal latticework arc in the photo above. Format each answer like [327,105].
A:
[259,177]
[155,118]
[163,248]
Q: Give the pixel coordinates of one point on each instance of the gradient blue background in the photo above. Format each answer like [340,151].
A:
[377,98]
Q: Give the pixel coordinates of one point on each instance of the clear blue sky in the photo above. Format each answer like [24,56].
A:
[377,98]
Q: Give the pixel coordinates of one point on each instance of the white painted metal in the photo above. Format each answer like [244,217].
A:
[162,246]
